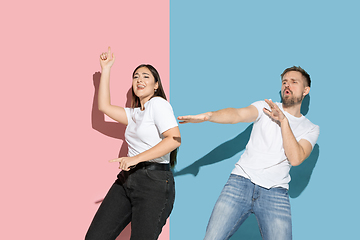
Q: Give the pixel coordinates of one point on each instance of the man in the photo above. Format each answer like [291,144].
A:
[281,137]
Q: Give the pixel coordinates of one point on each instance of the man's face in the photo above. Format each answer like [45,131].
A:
[293,89]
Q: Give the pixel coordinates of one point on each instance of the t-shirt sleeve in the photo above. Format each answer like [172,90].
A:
[163,114]
[128,114]
[260,105]
[312,135]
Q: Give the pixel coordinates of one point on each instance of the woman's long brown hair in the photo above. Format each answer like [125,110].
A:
[135,101]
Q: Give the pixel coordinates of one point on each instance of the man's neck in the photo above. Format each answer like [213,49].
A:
[293,110]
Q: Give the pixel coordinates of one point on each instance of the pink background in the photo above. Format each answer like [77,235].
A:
[54,147]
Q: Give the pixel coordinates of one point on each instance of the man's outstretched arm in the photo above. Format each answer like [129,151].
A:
[225,116]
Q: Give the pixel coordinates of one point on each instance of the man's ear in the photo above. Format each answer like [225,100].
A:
[306,91]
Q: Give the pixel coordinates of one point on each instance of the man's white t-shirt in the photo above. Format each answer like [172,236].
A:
[264,161]
[145,128]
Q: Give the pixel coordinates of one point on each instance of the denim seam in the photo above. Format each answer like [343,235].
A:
[262,236]
[162,210]
[115,230]
[228,235]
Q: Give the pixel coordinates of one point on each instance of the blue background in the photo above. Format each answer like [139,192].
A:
[230,54]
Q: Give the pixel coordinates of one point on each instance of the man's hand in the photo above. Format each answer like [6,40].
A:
[274,113]
[194,118]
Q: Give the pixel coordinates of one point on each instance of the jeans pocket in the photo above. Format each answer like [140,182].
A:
[158,175]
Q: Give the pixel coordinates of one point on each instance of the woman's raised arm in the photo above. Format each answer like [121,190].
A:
[117,113]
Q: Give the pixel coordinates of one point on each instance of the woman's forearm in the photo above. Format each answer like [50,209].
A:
[104,90]
[164,147]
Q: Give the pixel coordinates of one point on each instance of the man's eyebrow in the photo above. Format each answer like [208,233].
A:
[290,79]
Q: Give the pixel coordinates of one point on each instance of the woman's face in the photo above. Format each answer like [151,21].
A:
[144,84]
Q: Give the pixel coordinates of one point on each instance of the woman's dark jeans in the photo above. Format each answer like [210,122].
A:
[144,197]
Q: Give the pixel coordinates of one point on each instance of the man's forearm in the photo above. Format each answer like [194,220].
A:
[293,150]
[225,116]
[234,115]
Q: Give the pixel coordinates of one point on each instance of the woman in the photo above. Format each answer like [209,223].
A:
[144,192]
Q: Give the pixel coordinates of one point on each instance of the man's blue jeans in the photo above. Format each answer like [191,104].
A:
[239,198]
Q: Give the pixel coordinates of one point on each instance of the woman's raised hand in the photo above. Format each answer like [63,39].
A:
[107,59]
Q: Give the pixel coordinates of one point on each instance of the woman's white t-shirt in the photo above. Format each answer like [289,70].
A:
[145,128]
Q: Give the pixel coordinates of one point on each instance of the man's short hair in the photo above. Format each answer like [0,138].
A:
[300,70]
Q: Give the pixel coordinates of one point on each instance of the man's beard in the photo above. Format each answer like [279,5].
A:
[291,100]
